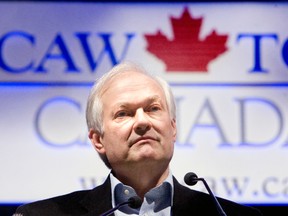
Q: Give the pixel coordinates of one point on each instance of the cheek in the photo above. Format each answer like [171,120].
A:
[170,135]
[116,133]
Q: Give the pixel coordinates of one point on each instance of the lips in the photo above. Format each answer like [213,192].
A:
[143,139]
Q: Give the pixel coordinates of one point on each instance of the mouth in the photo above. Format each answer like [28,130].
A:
[144,139]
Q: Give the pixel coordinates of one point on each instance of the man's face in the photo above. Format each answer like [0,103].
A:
[137,126]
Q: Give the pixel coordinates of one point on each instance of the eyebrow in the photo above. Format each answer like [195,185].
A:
[147,100]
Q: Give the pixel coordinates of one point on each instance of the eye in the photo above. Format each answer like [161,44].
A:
[154,108]
[121,114]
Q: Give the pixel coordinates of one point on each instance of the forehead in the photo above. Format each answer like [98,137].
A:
[125,84]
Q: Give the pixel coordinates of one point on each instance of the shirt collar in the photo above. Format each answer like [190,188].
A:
[157,198]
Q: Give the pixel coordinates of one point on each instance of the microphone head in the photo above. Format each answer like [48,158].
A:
[191,178]
[134,202]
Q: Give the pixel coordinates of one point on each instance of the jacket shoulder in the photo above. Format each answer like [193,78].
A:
[84,202]
[65,203]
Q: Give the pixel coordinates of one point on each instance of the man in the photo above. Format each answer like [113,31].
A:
[132,125]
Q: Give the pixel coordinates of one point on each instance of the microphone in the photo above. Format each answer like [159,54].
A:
[192,179]
[133,202]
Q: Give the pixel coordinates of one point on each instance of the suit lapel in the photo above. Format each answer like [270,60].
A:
[177,199]
[185,201]
[98,200]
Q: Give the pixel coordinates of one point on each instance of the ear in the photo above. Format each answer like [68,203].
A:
[174,129]
[96,140]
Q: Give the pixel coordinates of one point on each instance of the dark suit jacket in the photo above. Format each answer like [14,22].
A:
[186,202]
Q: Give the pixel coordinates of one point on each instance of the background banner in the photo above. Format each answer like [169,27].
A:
[227,64]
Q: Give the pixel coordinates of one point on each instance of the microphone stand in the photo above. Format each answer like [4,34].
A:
[219,208]
[115,208]
[133,202]
[191,179]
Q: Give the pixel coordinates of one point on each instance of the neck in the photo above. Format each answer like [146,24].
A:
[142,180]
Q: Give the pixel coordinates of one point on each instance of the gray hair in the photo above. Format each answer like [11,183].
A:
[94,109]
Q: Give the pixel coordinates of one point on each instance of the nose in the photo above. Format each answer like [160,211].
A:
[142,122]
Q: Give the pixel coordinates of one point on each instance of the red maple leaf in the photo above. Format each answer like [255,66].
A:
[186,52]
